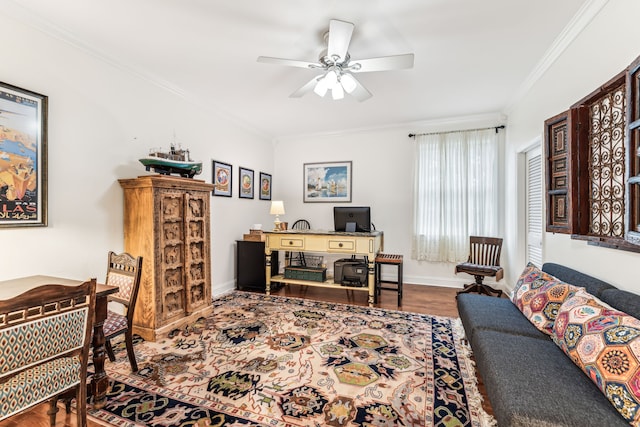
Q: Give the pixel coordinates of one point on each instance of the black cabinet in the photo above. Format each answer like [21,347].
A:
[250,269]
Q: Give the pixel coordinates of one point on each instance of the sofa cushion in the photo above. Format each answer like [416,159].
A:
[498,314]
[627,302]
[605,344]
[591,284]
[531,382]
[539,295]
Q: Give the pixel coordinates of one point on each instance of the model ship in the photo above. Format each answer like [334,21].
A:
[176,161]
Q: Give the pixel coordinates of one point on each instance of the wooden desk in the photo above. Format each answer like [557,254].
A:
[99,380]
[345,243]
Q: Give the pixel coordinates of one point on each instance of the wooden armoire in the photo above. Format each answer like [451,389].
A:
[167,222]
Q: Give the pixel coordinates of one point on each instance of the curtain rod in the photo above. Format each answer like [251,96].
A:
[411,135]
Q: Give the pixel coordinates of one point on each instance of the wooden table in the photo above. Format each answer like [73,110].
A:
[333,242]
[99,380]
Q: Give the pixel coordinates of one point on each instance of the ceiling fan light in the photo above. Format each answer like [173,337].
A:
[348,82]
[337,92]
[321,87]
[332,79]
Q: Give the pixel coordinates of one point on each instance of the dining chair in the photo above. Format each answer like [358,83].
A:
[297,258]
[123,271]
[483,261]
[45,335]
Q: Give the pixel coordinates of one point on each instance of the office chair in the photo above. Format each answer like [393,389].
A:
[483,261]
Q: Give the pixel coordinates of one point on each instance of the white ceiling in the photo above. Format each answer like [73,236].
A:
[471,57]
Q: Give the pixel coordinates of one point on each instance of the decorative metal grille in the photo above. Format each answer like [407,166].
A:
[607,164]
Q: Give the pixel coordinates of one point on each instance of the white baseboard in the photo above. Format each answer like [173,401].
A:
[220,289]
[446,282]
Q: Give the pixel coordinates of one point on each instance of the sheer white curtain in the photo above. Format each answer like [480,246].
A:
[455,193]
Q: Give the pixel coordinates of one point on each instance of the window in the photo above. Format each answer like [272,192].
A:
[590,168]
[456,192]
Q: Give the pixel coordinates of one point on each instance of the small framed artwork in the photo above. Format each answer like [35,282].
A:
[246,183]
[265,186]
[222,179]
[23,157]
[327,182]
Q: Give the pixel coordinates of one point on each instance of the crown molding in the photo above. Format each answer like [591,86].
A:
[434,125]
[578,23]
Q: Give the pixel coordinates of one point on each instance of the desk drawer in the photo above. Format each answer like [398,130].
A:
[295,243]
[342,245]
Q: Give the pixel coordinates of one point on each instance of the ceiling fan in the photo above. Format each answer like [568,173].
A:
[337,67]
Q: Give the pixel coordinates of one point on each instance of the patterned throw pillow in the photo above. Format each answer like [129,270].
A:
[539,295]
[605,344]
[529,276]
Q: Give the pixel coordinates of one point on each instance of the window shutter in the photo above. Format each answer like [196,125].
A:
[534,207]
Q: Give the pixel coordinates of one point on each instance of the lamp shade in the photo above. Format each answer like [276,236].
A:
[348,82]
[337,92]
[321,87]
[277,207]
[332,79]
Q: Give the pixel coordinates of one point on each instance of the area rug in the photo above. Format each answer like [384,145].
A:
[275,361]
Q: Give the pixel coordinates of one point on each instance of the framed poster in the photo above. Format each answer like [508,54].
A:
[23,157]
[265,186]
[246,183]
[327,182]
[222,179]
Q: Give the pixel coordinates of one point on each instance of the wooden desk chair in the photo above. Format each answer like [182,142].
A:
[124,271]
[484,260]
[298,257]
[45,334]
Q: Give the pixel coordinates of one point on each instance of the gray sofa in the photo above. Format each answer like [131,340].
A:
[528,379]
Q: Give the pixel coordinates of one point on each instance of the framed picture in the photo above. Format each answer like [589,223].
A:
[23,157]
[327,182]
[246,183]
[222,179]
[265,186]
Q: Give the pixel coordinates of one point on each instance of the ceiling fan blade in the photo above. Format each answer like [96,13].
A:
[384,63]
[308,87]
[289,62]
[360,92]
[339,38]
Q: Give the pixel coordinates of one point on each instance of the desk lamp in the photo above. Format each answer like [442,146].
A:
[277,208]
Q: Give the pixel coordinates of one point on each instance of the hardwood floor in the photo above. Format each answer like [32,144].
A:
[433,300]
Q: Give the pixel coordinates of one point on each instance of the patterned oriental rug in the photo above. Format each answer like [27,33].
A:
[276,361]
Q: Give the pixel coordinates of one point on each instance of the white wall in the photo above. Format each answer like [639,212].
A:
[604,48]
[101,120]
[382,179]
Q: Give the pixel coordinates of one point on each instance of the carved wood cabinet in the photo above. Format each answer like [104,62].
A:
[166,221]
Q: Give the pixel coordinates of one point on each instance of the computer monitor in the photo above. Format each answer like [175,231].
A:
[352,218]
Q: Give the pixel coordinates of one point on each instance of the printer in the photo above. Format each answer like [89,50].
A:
[350,272]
